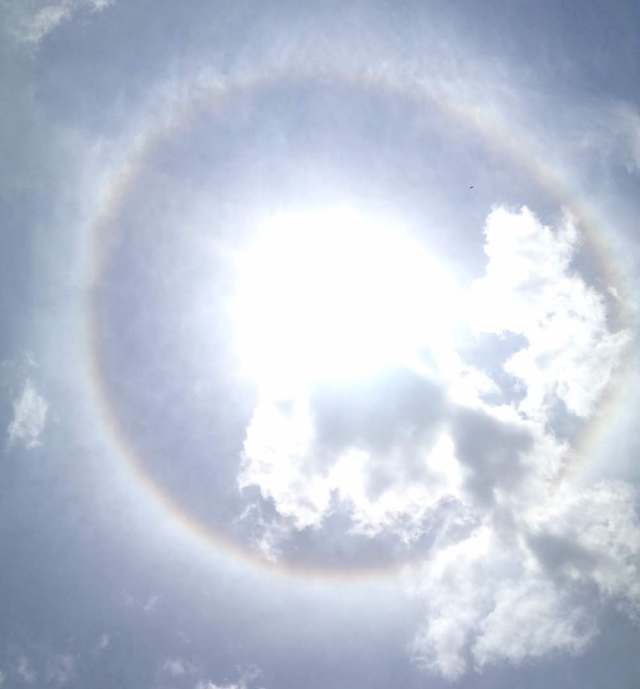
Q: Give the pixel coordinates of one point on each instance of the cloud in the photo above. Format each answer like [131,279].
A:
[151,603]
[534,588]
[265,533]
[29,418]
[630,126]
[492,453]
[623,135]
[177,667]
[245,680]
[378,448]
[530,289]
[519,565]
[38,19]
[612,134]
[60,669]
[103,643]
[396,447]
[51,670]
[25,670]
[545,558]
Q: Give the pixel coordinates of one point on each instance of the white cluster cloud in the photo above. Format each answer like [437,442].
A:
[532,576]
[394,448]
[305,457]
[529,289]
[29,418]
[517,554]
[38,19]
[531,583]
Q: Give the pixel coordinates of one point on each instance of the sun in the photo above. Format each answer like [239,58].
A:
[334,294]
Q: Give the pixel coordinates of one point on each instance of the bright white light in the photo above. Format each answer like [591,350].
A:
[335,295]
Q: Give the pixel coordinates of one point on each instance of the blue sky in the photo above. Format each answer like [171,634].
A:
[319,363]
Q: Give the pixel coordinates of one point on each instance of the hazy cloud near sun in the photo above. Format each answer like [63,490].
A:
[393,448]
[516,547]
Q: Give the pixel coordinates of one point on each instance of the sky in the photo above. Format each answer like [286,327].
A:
[319,361]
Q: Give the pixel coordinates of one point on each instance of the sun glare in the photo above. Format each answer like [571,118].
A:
[335,295]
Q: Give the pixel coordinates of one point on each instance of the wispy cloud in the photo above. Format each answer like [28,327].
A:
[38,19]
[29,418]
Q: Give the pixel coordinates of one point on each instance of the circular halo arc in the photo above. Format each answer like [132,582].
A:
[507,144]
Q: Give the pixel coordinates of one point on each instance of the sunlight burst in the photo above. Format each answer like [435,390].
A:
[336,295]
